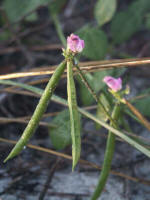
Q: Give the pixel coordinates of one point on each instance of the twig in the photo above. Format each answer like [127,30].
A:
[49,179]
[144,121]
[85,67]
[4,120]
[94,95]
[46,47]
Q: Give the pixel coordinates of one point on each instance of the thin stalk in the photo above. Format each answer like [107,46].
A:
[143,120]
[108,157]
[39,111]
[59,29]
[92,92]
[81,74]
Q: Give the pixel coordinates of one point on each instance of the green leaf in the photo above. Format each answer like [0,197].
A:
[142,6]
[22,85]
[60,136]
[101,114]
[32,17]
[5,35]
[85,95]
[96,44]
[16,9]
[147,22]
[74,115]
[124,25]
[104,11]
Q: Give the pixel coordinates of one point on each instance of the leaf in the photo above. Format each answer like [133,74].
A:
[74,115]
[101,114]
[104,11]
[5,35]
[147,22]
[124,25]
[60,136]
[141,5]
[96,43]
[16,9]
[32,17]
[85,95]
[22,85]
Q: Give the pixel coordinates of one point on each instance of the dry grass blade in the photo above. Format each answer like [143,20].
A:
[4,120]
[25,93]
[25,74]
[86,67]
[84,162]
[35,82]
[144,121]
[46,47]
[132,99]
[114,63]
[44,116]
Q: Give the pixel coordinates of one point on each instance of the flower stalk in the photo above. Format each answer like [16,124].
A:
[110,146]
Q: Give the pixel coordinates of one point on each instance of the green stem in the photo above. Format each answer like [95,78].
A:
[108,158]
[92,92]
[82,76]
[39,111]
[59,29]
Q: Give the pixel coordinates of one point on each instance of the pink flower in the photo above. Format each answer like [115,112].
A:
[114,83]
[74,43]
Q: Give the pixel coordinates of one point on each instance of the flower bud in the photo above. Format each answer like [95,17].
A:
[74,43]
[113,83]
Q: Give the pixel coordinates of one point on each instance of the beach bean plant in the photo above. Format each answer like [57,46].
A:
[108,90]
[109,112]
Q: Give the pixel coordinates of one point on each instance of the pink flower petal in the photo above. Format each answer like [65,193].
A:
[113,83]
[74,43]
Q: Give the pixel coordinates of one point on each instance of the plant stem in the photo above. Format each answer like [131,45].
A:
[86,83]
[142,119]
[108,158]
[81,74]
[39,111]
[59,29]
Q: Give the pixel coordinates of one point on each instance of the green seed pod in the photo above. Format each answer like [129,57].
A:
[39,111]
